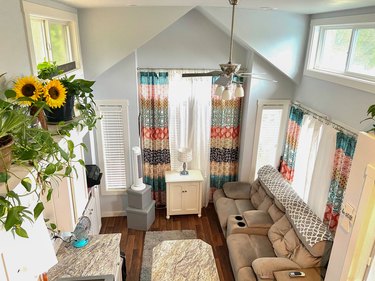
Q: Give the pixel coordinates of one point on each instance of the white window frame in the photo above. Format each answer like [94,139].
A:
[357,81]
[125,105]
[44,12]
[263,104]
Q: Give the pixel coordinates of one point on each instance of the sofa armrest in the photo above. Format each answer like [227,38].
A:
[265,267]
[258,219]
[237,190]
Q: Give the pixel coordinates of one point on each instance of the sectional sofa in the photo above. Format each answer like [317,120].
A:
[269,228]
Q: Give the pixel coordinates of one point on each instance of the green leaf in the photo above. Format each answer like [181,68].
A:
[49,194]
[10,94]
[50,169]
[4,177]
[68,170]
[81,162]
[26,182]
[12,219]
[38,210]
[14,195]
[63,154]
[21,232]
[84,146]
[53,226]
[70,146]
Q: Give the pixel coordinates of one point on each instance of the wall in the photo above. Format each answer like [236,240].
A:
[279,37]
[110,34]
[13,48]
[258,90]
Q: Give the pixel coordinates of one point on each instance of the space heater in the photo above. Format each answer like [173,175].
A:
[137,169]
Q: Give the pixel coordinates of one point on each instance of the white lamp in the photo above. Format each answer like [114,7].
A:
[227,95]
[239,92]
[184,155]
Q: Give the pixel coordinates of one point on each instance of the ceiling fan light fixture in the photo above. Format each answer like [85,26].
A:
[227,94]
[219,90]
[239,92]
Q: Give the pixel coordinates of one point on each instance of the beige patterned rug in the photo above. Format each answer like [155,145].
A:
[152,239]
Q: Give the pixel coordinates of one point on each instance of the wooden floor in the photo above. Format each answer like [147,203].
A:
[207,228]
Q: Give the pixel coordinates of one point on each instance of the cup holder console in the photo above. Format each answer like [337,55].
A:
[241,224]
[239,218]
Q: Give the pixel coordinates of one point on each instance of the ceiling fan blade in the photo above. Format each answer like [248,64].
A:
[202,74]
[265,79]
[248,74]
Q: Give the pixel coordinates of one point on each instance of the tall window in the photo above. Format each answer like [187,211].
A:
[52,36]
[113,145]
[343,49]
[269,133]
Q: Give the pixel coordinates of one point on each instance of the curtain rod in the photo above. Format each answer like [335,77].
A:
[324,119]
[173,68]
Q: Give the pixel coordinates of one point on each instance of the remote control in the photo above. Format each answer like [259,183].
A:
[296,274]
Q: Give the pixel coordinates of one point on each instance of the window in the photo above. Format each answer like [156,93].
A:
[113,145]
[52,36]
[343,51]
[270,129]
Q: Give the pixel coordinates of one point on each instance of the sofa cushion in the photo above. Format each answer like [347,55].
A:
[246,274]
[244,249]
[257,219]
[237,190]
[243,205]
[275,213]
[265,267]
[225,207]
[287,245]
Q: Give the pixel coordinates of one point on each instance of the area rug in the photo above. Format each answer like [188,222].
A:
[152,239]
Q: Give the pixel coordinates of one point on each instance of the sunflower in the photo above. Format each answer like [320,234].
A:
[54,94]
[28,86]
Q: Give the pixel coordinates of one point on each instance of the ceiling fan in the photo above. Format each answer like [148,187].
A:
[228,70]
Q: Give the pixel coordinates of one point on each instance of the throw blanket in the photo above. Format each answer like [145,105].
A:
[308,226]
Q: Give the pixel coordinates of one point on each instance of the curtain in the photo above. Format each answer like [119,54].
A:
[291,143]
[306,155]
[321,176]
[190,122]
[225,136]
[153,96]
[345,146]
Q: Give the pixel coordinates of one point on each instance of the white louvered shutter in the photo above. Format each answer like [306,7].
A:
[113,140]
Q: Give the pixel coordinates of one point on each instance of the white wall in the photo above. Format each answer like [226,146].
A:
[259,90]
[13,48]
[110,34]
[279,37]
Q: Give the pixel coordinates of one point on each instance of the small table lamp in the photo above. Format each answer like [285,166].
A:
[184,155]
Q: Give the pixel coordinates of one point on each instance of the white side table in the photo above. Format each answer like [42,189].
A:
[184,193]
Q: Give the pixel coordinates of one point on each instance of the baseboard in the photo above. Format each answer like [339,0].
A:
[113,214]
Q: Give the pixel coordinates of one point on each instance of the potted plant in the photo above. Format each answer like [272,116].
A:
[371,114]
[79,94]
[35,149]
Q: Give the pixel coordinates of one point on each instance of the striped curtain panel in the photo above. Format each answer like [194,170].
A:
[225,137]
[291,143]
[345,146]
[153,96]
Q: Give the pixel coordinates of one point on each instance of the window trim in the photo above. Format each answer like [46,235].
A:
[53,14]
[103,188]
[285,106]
[356,81]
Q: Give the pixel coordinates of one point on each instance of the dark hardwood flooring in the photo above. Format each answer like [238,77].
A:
[207,228]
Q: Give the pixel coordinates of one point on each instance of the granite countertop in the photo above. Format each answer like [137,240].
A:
[99,257]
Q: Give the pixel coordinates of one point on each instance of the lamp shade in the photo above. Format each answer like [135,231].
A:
[219,90]
[239,92]
[227,95]
[185,154]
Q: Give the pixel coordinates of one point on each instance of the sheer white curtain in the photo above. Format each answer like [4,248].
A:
[189,114]
[314,163]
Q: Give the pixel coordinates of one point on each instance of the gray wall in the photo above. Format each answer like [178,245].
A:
[259,90]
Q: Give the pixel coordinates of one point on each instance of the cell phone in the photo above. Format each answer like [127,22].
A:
[296,274]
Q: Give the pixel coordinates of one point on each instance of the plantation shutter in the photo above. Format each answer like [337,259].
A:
[113,140]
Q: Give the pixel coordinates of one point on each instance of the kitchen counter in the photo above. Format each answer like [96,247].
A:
[101,256]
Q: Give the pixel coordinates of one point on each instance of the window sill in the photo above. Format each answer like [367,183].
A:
[356,83]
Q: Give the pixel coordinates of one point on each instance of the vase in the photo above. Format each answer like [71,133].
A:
[41,118]
[64,113]
[6,144]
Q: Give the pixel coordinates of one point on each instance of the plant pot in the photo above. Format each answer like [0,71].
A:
[6,144]
[64,113]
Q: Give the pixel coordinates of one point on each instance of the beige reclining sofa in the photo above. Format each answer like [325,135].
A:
[269,228]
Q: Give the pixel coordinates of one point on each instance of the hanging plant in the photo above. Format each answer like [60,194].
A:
[371,114]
